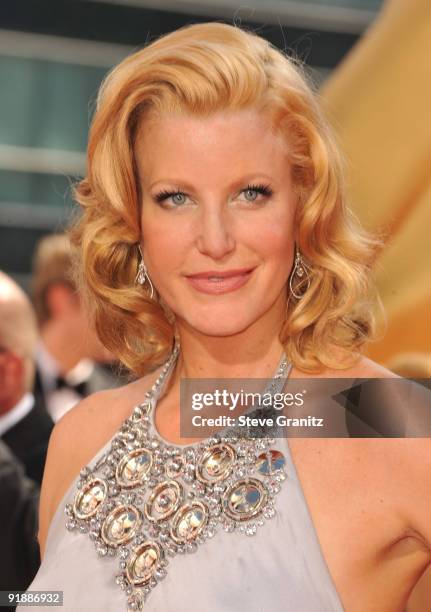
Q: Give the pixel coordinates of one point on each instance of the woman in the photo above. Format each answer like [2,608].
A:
[214,179]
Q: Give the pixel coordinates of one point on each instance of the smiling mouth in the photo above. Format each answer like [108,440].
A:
[212,282]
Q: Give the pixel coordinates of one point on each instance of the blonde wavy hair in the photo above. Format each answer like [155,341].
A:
[201,69]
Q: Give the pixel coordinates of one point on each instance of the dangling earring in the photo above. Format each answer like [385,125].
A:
[301,273]
[142,273]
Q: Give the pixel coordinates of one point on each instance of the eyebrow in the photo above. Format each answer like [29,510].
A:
[255,176]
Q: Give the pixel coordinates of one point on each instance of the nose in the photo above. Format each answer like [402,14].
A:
[215,235]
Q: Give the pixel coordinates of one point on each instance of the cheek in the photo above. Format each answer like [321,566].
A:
[275,237]
[165,245]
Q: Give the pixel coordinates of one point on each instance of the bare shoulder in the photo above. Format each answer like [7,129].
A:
[367,368]
[362,368]
[78,436]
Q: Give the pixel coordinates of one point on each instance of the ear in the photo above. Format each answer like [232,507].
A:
[60,298]
[11,373]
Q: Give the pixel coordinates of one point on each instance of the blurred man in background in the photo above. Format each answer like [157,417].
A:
[25,425]
[69,350]
[19,500]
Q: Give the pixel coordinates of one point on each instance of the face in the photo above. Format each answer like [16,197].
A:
[218,211]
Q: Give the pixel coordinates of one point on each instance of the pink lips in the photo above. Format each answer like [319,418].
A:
[216,282]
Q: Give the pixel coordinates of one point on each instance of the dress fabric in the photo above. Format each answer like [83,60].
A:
[281,568]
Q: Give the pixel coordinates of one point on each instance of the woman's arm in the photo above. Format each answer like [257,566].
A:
[52,478]
[417,455]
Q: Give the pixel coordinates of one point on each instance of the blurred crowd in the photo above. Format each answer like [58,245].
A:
[50,358]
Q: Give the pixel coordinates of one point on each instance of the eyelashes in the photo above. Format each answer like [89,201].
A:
[164,195]
[261,188]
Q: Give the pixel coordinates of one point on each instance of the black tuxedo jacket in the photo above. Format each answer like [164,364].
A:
[28,440]
[19,499]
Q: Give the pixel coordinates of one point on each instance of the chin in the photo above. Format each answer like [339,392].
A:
[219,324]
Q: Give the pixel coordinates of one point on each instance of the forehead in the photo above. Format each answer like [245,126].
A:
[233,141]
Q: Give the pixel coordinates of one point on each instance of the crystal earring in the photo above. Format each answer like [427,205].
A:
[301,274]
[142,273]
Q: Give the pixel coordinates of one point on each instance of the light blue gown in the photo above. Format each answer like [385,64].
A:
[280,569]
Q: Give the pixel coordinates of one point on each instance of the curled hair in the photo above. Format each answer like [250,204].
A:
[201,69]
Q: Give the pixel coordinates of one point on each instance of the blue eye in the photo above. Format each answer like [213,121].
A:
[178,195]
[253,192]
[264,190]
[161,197]
[165,195]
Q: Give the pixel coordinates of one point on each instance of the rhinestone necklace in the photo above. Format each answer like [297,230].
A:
[146,500]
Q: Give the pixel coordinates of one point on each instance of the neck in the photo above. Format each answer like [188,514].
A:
[63,345]
[252,353]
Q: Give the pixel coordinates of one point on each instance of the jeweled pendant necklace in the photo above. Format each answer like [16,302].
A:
[146,500]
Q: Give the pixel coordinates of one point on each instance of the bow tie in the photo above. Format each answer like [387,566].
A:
[80,388]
